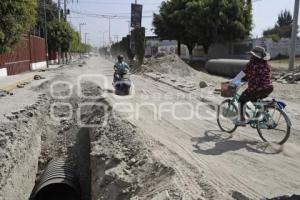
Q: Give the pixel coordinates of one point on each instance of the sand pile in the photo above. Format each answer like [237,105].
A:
[168,64]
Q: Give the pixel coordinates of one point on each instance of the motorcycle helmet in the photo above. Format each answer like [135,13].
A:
[120,58]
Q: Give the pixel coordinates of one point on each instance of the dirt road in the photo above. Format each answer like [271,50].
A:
[206,160]
[179,128]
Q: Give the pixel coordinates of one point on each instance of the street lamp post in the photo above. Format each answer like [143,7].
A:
[103,40]
[59,19]
[294,36]
[109,30]
[46,34]
[85,37]
[81,24]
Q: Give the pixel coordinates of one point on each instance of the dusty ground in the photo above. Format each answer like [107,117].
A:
[135,147]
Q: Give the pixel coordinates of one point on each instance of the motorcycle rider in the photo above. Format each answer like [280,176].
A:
[120,68]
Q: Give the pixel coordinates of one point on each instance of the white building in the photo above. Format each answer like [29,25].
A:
[239,49]
[155,46]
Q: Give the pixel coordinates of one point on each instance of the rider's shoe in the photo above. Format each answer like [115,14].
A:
[239,122]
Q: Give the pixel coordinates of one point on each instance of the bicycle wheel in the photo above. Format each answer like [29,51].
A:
[227,112]
[274,126]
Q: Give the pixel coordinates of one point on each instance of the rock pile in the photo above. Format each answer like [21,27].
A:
[22,85]
[38,77]
[287,77]
[4,93]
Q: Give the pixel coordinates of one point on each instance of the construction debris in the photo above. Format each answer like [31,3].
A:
[287,78]
[3,93]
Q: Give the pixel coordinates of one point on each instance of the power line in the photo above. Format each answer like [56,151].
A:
[114,3]
[119,13]
[104,15]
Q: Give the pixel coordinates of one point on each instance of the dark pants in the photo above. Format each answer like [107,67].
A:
[115,79]
[252,96]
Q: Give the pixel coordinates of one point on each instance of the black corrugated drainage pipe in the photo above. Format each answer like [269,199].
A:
[58,182]
[225,67]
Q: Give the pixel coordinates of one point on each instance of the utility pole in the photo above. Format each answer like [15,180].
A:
[65,10]
[85,38]
[46,33]
[117,38]
[65,19]
[80,35]
[129,26]
[294,36]
[58,4]
[81,24]
[103,38]
[59,19]
[109,30]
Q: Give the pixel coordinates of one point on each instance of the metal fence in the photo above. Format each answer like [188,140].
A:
[30,50]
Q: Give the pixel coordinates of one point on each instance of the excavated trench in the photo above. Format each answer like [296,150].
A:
[65,177]
[105,160]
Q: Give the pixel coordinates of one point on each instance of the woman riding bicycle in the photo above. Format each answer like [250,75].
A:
[258,75]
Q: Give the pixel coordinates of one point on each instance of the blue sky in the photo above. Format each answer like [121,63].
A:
[265,14]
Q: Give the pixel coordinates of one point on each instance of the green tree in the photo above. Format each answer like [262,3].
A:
[87,48]
[283,27]
[51,13]
[203,22]
[284,18]
[122,47]
[125,45]
[171,23]
[17,18]
[76,45]
[60,35]
[220,21]
[274,37]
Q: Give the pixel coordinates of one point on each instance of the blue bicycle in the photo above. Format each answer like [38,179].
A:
[268,117]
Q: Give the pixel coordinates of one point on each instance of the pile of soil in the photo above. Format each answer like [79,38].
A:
[123,168]
[168,64]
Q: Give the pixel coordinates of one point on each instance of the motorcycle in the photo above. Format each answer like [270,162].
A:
[122,83]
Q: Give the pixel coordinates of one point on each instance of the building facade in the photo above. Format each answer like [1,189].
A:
[239,50]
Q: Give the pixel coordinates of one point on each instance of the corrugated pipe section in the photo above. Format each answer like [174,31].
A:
[58,182]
